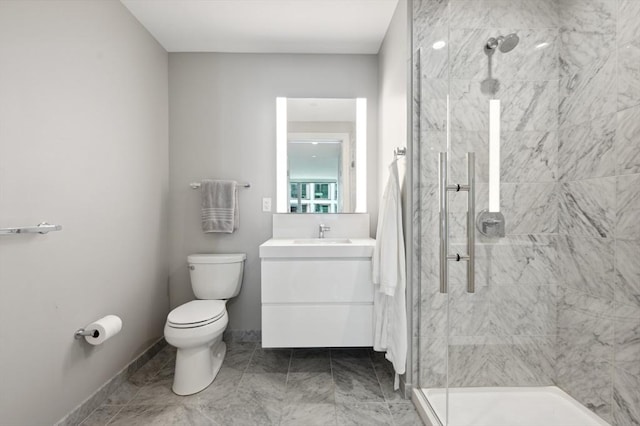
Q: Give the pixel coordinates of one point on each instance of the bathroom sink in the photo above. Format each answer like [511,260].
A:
[322,241]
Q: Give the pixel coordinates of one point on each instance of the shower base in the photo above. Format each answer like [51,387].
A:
[503,406]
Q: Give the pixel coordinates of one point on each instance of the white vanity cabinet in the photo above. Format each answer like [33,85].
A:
[317,294]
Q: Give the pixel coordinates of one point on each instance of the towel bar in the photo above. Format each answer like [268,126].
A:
[196,185]
[41,228]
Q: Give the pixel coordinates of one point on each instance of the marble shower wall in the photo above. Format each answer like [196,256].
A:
[558,300]
[504,333]
[599,200]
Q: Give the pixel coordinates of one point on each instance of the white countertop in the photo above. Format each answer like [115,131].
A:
[293,248]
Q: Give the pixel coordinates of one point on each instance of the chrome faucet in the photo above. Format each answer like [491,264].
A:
[322,229]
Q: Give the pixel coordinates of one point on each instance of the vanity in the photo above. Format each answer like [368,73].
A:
[317,292]
[316,270]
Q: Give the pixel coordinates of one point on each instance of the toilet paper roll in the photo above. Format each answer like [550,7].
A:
[105,328]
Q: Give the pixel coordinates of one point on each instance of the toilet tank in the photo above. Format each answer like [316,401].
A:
[216,276]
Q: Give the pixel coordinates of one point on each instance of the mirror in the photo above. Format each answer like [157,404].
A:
[321,155]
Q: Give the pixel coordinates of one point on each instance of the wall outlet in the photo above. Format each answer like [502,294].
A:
[266,204]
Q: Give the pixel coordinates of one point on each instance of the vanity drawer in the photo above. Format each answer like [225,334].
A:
[302,326]
[317,281]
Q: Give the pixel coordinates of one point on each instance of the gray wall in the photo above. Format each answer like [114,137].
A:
[84,144]
[222,126]
[393,62]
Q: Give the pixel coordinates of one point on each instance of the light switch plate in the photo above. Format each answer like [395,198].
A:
[266,204]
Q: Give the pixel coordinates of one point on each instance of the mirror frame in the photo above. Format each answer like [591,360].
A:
[282,198]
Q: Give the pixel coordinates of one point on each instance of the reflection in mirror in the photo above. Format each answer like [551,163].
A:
[321,155]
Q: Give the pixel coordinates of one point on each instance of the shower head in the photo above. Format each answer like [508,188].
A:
[504,43]
[509,42]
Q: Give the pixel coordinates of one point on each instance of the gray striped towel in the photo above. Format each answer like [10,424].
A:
[219,206]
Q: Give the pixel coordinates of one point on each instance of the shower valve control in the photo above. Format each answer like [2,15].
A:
[491,224]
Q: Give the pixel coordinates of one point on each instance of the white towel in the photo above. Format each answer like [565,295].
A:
[219,206]
[389,278]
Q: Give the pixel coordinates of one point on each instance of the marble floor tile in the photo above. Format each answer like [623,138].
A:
[308,415]
[123,394]
[269,361]
[102,415]
[223,388]
[363,414]
[386,376]
[246,413]
[158,393]
[404,414]
[351,354]
[314,388]
[160,415]
[148,372]
[238,355]
[316,384]
[258,400]
[355,381]
[310,360]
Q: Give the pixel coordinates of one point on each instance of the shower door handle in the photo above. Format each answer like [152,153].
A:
[443,225]
[444,189]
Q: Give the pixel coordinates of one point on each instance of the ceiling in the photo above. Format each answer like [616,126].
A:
[266,26]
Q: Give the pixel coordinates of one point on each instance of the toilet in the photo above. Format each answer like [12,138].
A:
[196,327]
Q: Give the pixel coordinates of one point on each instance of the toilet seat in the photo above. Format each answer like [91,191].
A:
[196,313]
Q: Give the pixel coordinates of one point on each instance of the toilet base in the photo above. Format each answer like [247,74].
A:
[196,368]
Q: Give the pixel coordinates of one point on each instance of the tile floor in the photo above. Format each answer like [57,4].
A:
[255,386]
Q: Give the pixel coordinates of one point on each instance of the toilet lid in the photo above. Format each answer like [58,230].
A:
[197,313]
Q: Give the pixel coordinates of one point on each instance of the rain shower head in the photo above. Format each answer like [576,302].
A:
[504,43]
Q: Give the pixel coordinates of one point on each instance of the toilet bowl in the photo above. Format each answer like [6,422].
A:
[196,328]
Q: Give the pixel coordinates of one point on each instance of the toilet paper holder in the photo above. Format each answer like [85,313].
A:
[81,332]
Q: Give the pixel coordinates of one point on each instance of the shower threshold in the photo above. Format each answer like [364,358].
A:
[503,406]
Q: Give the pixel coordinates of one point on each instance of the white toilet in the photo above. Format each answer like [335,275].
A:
[196,327]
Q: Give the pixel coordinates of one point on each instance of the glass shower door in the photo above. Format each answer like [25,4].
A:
[502,91]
